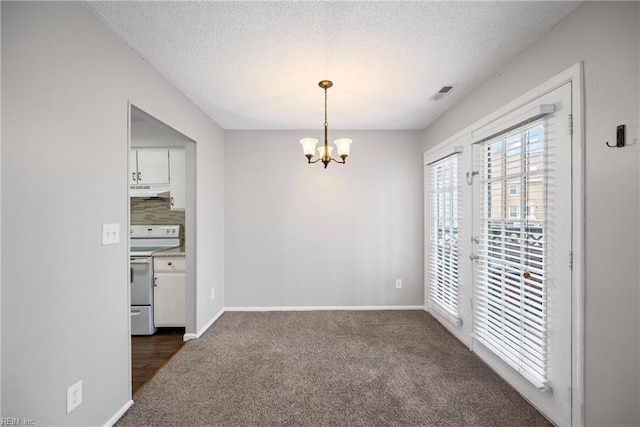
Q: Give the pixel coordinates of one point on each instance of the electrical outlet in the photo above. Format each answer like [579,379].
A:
[110,234]
[212,293]
[398,283]
[74,396]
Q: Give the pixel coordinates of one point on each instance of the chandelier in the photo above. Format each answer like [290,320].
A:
[324,152]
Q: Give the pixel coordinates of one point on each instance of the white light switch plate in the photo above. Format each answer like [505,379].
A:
[110,234]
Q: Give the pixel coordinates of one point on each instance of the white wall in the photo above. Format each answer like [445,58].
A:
[301,235]
[0,224]
[150,133]
[66,85]
[605,35]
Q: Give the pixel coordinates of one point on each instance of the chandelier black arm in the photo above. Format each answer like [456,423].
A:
[330,159]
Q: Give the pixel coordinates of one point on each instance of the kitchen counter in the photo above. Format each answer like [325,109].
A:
[177,251]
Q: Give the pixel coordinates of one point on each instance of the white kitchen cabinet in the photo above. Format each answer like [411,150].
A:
[133,164]
[177,184]
[149,166]
[169,291]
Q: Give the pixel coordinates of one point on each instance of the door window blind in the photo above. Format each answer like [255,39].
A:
[444,264]
[510,295]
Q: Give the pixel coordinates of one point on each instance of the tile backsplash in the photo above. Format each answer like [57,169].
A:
[156,211]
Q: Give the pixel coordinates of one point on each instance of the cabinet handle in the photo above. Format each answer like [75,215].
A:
[155,281]
[169,263]
[172,201]
[139,176]
[133,176]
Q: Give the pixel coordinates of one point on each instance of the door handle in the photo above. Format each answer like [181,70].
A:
[135,313]
[131,276]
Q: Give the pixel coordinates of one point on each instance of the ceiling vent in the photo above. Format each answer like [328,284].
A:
[444,90]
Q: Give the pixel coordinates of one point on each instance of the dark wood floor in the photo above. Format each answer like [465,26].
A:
[150,353]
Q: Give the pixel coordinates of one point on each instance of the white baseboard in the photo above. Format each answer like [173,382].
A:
[187,337]
[326,308]
[114,419]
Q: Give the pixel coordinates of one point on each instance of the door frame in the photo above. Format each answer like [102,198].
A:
[573,75]
[190,147]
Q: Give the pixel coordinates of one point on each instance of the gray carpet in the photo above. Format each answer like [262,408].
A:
[328,368]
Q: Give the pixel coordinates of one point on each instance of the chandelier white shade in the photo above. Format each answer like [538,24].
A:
[309,146]
[321,151]
[324,152]
[343,145]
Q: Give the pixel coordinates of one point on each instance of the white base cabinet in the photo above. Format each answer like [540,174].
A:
[169,292]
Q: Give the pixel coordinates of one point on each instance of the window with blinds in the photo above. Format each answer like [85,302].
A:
[510,295]
[444,264]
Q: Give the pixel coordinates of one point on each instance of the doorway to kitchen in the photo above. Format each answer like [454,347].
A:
[162,223]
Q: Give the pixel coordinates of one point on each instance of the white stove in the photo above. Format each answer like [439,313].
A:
[144,241]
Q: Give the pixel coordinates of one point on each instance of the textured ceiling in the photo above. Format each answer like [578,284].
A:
[256,65]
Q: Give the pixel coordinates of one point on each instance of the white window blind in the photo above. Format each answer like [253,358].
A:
[510,295]
[443,269]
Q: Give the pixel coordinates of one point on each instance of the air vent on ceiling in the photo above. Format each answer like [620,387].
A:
[444,90]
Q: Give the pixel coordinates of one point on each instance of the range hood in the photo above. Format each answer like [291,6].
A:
[146,191]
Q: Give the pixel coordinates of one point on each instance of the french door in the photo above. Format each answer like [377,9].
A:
[522,210]
[515,252]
